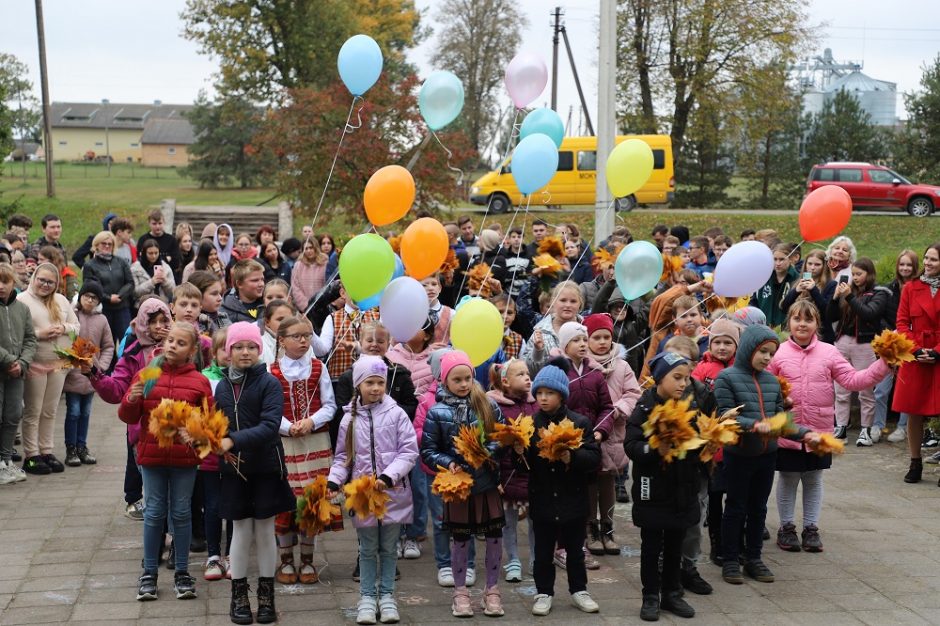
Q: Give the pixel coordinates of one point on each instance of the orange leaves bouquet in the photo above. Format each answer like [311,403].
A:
[785,387]
[478,280]
[603,258]
[828,444]
[548,264]
[315,510]
[206,429]
[518,430]
[81,352]
[780,424]
[717,433]
[893,347]
[364,498]
[557,438]
[670,431]
[167,418]
[470,443]
[552,246]
[451,486]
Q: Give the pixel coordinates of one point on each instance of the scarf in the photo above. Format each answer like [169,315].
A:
[837,266]
[606,361]
[236,375]
[931,281]
[461,406]
[105,257]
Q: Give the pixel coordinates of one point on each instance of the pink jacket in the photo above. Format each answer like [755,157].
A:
[624,392]
[425,402]
[94,328]
[811,371]
[414,362]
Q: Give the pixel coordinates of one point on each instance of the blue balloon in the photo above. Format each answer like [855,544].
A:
[534,162]
[359,63]
[543,121]
[440,99]
[637,269]
[371,302]
[399,268]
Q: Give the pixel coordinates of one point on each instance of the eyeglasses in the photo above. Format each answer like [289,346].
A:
[299,337]
[105,244]
[45,282]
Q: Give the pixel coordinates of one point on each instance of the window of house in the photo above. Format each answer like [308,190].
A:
[63,143]
[134,145]
[171,150]
[587,161]
[99,143]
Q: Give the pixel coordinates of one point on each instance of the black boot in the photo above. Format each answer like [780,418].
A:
[673,602]
[649,612]
[267,614]
[914,471]
[240,610]
[714,553]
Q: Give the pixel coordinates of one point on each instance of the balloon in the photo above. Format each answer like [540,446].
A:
[389,195]
[360,63]
[399,268]
[825,213]
[638,268]
[440,99]
[545,122]
[629,166]
[366,265]
[534,162]
[477,329]
[404,308]
[371,302]
[743,269]
[525,79]
[424,247]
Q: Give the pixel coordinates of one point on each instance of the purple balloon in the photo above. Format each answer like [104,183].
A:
[404,308]
[743,269]
[526,77]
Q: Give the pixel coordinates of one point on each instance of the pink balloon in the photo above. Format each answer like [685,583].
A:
[526,77]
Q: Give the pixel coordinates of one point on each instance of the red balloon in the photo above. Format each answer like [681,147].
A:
[825,213]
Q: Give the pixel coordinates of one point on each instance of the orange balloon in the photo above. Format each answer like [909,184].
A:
[424,247]
[389,195]
[825,213]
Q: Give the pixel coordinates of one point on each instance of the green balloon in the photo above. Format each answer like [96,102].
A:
[366,265]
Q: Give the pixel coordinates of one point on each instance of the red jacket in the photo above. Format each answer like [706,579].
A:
[708,369]
[181,383]
[917,385]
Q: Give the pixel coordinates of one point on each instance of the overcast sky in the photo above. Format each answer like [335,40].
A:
[132,51]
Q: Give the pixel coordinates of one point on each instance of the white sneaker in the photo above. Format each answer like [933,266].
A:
[543,605]
[6,475]
[411,549]
[897,435]
[388,610]
[933,458]
[399,549]
[584,601]
[18,472]
[471,576]
[864,439]
[445,577]
[365,611]
[875,434]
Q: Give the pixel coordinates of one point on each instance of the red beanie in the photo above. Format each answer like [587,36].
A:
[599,321]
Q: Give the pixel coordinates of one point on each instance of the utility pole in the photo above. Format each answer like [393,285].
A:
[46,113]
[577,81]
[606,121]
[107,137]
[557,14]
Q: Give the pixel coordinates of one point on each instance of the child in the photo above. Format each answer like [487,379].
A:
[169,473]
[276,289]
[558,501]
[244,303]
[254,485]
[811,366]
[689,322]
[275,312]
[513,343]
[339,333]
[438,312]
[78,390]
[511,390]
[413,356]
[624,393]
[377,439]
[186,307]
[211,315]
[769,297]
[17,349]
[463,403]
[665,502]
[305,434]
[750,464]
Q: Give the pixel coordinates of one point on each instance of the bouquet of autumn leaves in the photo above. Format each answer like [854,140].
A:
[670,431]
[80,353]
[204,427]
[315,509]
[470,443]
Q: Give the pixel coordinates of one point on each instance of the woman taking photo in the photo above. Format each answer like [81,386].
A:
[114,275]
[814,284]
[152,277]
[308,275]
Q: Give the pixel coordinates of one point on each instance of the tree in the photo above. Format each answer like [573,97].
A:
[704,168]
[477,41]
[222,151]
[919,144]
[266,46]
[842,131]
[302,138]
[15,90]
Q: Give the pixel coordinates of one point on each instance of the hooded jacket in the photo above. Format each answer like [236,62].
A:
[515,481]
[661,314]
[535,359]
[416,363]
[589,396]
[708,369]
[759,392]
[144,287]
[45,348]
[769,298]
[384,445]
[624,393]
[238,311]
[17,337]
[225,254]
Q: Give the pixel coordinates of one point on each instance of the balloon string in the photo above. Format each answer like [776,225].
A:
[669,323]
[347,128]
[460,172]
[502,160]
[795,248]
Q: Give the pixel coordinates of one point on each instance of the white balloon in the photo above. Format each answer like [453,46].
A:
[404,308]
[743,269]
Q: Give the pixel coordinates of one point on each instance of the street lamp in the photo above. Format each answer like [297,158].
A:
[107,136]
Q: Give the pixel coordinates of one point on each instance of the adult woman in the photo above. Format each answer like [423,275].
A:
[274,265]
[918,382]
[68,286]
[328,247]
[53,320]
[18,260]
[207,259]
[184,239]
[114,275]
[566,303]
[264,234]
[152,277]
[840,255]
[308,275]
[581,271]
[857,311]
[906,269]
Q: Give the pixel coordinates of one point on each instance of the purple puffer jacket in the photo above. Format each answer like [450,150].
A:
[589,396]
[384,443]
[515,481]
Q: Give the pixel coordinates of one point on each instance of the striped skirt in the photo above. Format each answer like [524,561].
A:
[306,458]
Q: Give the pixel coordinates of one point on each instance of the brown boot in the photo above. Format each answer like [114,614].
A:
[308,573]
[594,543]
[611,546]
[286,573]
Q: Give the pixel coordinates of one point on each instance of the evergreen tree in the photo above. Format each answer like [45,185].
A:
[919,143]
[704,166]
[843,131]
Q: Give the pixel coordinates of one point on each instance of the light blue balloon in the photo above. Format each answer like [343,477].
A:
[534,162]
[543,121]
[637,269]
[371,302]
[440,99]
[399,268]
[359,63]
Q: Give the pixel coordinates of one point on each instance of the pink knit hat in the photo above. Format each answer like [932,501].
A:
[243,331]
[451,360]
[367,366]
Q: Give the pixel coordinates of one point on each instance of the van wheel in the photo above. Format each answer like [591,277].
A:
[920,207]
[626,204]
[499,203]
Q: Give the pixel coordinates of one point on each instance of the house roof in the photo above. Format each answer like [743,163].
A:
[168,131]
[113,115]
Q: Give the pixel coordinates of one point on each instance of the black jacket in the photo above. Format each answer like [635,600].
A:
[398,385]
[865,315]
[238,311]
[169,247]
[115,277]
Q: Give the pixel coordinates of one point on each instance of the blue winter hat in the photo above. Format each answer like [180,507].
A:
[665,362]
[551,377]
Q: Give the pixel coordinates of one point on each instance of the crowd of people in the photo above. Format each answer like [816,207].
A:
[312,386]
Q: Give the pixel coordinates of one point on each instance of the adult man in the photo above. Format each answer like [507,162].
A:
[539,230]
[468,238]
[659,234]
[51,233]
[698,256]
[169,247]
[306,232]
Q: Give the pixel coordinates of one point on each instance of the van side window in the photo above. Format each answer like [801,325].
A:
[659,159]
[850,176]
[565,161]
[880,176]
[587,161]
[824,174]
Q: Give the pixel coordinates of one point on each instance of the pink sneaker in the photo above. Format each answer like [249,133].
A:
[493,603]
[461,604]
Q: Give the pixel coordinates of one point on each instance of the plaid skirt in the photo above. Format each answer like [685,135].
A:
[479,514]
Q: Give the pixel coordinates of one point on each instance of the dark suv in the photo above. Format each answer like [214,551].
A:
[875,186]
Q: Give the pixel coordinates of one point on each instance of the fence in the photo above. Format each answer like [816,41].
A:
[83,170]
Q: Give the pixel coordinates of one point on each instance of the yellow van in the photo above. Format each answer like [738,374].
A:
[574,182]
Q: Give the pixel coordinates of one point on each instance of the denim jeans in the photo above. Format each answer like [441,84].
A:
[882,393]
[441,534]
[377,551]
[77,416]
[419,495]
[168,490]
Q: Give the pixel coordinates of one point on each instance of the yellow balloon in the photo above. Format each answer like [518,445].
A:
[629,166]
[477,329]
